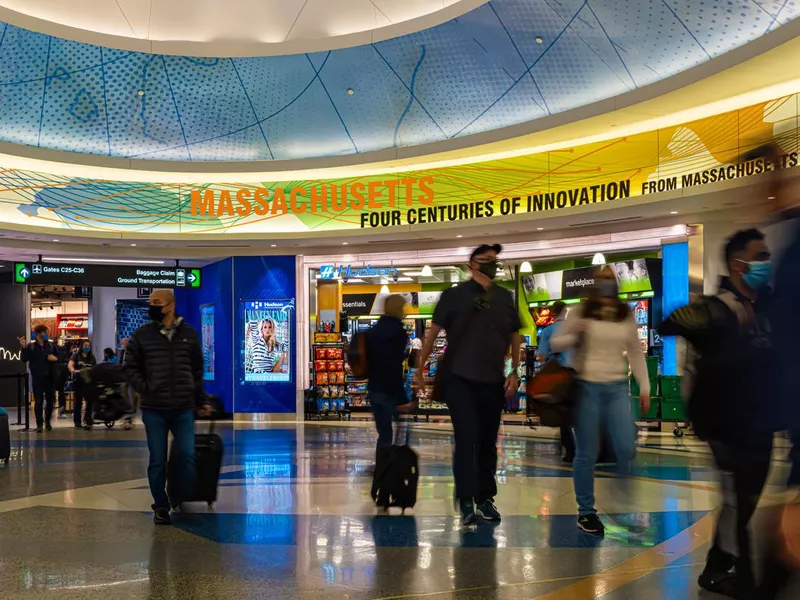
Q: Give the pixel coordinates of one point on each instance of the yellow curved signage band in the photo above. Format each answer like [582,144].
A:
[692,154]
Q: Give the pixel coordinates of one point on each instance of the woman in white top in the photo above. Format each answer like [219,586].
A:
[600,332]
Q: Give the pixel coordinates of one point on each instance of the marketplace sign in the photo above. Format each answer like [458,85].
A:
[688,155]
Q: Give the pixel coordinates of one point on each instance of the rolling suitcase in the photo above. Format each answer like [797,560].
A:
[5,437]
[396,475]
[208,450]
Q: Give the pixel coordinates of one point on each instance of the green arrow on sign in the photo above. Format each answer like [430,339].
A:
[194,278]
[21,272]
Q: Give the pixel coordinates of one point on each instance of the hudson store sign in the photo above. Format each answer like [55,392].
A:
[351,272]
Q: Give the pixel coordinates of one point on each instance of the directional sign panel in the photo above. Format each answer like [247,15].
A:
[106,275]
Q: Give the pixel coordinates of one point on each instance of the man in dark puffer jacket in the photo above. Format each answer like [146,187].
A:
[164,364]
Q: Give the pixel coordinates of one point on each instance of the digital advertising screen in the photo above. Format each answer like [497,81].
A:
[207,340]
[267,340]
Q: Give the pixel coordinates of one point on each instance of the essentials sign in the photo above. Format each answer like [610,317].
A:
[106,275]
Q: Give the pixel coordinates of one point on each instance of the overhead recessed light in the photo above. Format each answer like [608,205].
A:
[55,240]
[526,267]
[140,92]
[770,197]
[133,245]
[273,245]
[539,40]
[345,243]
[673,212]
[459,236]
[539,228]
[350,91]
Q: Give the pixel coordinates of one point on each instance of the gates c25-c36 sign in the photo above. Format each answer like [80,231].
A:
[83,274]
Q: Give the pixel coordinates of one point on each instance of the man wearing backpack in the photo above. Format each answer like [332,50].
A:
[729,403]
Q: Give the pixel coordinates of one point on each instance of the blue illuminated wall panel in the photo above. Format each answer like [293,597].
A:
[263,278]
[217,290]
[675,277]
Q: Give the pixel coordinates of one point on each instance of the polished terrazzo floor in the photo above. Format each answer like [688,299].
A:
[294,520]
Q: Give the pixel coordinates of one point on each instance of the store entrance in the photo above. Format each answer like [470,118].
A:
[348,299]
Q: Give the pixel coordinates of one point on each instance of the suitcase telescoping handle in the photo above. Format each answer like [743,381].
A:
[212,423]
[402,432]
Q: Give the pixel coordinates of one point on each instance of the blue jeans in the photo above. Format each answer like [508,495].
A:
[384,409]
[158,424]
[602,408]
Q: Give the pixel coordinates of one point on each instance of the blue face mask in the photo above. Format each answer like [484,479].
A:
[45,337]
[86,349]
[759,274]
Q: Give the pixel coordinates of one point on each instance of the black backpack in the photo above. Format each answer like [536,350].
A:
[396,476]
[357,355]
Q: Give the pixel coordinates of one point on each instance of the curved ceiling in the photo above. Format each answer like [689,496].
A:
[231,28]
[505,63]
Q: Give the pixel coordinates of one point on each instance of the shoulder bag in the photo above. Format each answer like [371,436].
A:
[552,392]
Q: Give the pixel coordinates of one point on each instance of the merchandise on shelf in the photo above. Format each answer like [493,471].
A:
[329,377]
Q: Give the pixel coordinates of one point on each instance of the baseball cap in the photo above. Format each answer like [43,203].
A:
[485,248]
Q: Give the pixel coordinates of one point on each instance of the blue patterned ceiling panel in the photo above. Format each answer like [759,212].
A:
[505,63]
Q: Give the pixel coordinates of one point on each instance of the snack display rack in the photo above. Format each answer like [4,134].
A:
[427,407]
[329,379]
[532,366]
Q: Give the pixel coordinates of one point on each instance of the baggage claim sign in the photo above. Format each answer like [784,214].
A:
[692,154]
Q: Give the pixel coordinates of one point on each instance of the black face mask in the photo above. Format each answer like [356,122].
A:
[489,269]
[156,313]
[606,288]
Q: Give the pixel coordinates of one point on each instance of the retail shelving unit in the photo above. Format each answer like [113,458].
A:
[329,379]
[73,327]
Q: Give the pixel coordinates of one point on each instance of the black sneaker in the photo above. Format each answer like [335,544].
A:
[39,429]
[48,427]
[487,510]
[469,520]
[161,517]
[591,524]
[720,583]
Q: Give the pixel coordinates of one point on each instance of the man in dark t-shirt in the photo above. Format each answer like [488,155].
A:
[482,322]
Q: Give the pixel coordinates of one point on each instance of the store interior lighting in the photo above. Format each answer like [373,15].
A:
[385,289]
[427,271]
[599,259]
[526,267]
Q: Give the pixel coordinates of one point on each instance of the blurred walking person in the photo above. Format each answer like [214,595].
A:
[545,353]
[482,323]
[80,361]
[785,317]
[386,347]
[730,403]
[599,335]
[164,364]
